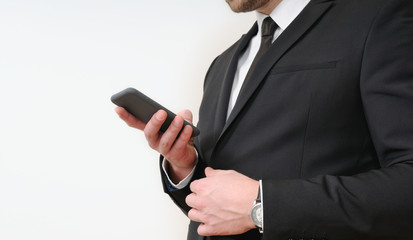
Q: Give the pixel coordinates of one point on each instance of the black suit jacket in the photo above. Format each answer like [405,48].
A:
[326,121]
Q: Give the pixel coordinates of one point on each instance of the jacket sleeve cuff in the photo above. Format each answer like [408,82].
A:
[183,183]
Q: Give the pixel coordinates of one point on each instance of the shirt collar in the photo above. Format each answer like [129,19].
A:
[284,13]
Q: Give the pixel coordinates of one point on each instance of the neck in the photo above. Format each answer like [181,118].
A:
[269,7]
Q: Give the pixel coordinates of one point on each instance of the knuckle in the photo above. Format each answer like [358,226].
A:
[152,145]
[206,218]
[195,202]
[197,186]
[151,139]
[200,231]
[192,214]
[164,144]
[213,230]
[201,186]
[188,200]
[200,204]
[193,186]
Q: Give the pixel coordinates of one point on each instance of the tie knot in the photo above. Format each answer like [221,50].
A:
[268,27]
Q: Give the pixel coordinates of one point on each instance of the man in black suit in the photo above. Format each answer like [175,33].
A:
[317,134]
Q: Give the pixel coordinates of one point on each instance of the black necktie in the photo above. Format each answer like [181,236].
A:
[267,33]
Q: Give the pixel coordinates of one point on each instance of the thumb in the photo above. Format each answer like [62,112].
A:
[186,114]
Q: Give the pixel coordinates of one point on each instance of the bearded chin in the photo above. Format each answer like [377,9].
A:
[245,5]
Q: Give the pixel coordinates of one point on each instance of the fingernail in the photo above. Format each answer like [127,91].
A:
[159,116]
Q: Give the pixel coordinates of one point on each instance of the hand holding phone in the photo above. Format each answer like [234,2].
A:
[143,108]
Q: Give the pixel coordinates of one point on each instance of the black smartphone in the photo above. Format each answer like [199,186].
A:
[143,107]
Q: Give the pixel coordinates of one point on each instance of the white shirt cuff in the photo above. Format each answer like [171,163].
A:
[184,182]
[262,204]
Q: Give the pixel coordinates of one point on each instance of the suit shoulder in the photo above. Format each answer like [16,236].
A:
[366,5]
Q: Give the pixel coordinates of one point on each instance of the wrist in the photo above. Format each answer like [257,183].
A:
[178,173]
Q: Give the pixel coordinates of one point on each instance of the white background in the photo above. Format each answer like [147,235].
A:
[69,167]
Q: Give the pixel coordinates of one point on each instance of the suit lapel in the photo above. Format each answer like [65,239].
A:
[313,11]
[225,90]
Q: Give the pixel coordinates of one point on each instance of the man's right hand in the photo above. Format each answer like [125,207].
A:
[179,152]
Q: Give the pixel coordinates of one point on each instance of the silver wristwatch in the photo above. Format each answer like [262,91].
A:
[256,212]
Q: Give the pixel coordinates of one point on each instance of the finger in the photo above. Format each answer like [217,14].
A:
[195,186]
[184,138]
[195,215]
[129,119]
[152,128]
[207,230]
[194,201]
[170,135]
[186,114]
[190,199]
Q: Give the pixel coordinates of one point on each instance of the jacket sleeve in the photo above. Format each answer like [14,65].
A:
[377,204]
[179,195]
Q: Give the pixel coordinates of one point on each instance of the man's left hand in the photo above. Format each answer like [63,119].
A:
[221,202]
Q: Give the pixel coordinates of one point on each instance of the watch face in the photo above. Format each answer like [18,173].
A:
[256,215]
